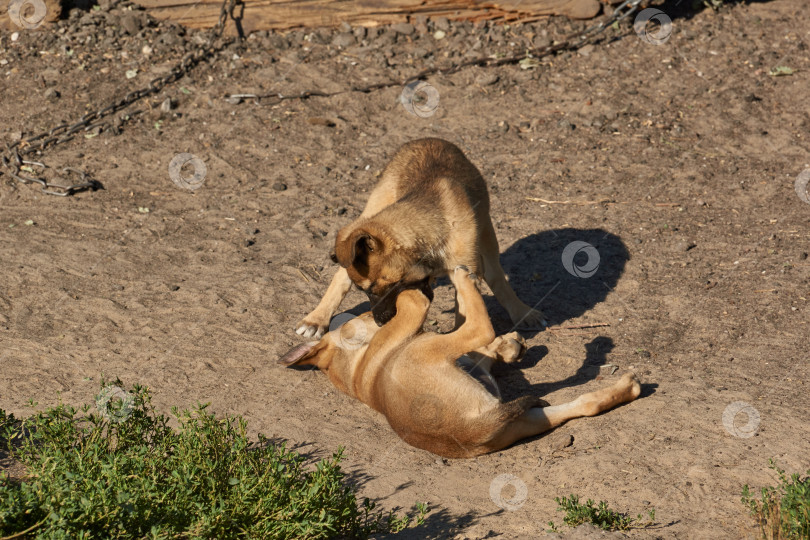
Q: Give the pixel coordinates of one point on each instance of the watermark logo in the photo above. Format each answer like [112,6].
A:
[28,14]
[496,489]
[352,332]
[651,17]
[186,181]
[747,430]
[114,403]
[420,99]
[801,185]
[589,267]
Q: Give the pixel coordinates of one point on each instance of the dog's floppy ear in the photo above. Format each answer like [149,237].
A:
[299,353]
[354,250]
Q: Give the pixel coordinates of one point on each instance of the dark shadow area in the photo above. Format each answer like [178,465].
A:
[563,272]
[438,525]
[513,384]
[686,9]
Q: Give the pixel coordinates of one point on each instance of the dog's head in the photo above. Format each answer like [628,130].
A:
[379,266]
[337,350]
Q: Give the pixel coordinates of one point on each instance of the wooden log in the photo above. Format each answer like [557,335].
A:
[287,14]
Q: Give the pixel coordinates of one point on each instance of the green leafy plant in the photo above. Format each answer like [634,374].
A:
[783,511]
[603,517]
[95,476]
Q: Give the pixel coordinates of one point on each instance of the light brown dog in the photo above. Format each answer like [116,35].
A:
[428,214]
[415,379]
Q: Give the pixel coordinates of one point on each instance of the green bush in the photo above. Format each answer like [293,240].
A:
[127,474]
[603,517]
[782,511]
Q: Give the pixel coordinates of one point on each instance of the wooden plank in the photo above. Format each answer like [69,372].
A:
[286,14]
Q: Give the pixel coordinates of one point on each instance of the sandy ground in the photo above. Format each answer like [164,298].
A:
[691,148]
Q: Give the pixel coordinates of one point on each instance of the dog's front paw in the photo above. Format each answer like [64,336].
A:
[462,271]
[532,319]
[312,326]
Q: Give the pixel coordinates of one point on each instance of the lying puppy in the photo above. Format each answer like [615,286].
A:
[414,378]
[428,214]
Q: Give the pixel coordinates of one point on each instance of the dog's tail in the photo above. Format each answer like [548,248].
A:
[511,410]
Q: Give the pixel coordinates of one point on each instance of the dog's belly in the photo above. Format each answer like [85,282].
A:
[441,409]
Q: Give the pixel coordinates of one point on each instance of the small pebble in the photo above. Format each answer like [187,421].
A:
[167,105]
[52,94]
[280,186]
[441,23]
[343,40]
[487,79]
[439,34]
[403,28]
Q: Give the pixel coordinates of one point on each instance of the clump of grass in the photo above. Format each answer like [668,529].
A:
[90,477]
[782,511]
[603,517]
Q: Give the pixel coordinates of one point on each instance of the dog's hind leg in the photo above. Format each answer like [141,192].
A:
[521,314]
[536,420]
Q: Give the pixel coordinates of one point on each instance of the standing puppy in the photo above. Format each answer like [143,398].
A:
[428,214]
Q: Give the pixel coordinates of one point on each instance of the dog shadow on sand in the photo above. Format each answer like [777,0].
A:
[565,273]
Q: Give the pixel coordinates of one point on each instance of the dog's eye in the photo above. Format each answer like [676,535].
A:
[333,257]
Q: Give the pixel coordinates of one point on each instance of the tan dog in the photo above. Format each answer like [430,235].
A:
[428,214]
[414,378]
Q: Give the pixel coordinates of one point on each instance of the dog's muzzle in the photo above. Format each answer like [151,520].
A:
[384,306]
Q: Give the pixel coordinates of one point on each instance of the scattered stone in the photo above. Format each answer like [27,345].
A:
[586,50]
[280,186]
[420,52]
[566,125]
[343,40]
[403,28]
[557,441]
[318,121]
[684,245]
[439,34]
[130,23]
[167,105]
[441,23]
[52,95]
[487,79]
